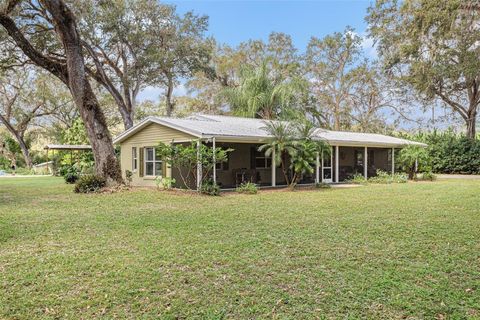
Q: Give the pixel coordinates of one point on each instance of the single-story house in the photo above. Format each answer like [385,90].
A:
[352,152]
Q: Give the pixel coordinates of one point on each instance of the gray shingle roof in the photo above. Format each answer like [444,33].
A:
[207,126]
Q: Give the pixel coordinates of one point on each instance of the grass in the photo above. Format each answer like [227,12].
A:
[378,251]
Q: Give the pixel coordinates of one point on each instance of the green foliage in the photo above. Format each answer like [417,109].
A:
[322,185]
[427,176]
[69,173]
[4,163]
[210,188]
[247,188]
[450,152]
[412,158]
[383,177]
[185,158]
[431,46]
[294,140]
[358,178]
[165,182]
[260,96]
[128,176]
[89,183]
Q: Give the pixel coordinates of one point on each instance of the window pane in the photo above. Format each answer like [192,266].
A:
[149,154]
[149,168]
[158,168]
[260,162]
[134,158]
[269,162]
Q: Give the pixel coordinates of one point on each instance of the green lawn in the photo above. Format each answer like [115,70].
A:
[380,251]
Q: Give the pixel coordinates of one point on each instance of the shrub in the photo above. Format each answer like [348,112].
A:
[322,185]
[450,152]
[247,188]
[428,176]
[69,173]
[210,188]
[358,179]
[128,177]
[383,177]
[165,182]
[89,183]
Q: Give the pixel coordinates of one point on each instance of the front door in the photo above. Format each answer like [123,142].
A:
[327,173]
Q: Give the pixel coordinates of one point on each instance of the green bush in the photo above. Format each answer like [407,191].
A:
[322,185]
[383,177]
[449,152]
[247,188]
[165,182]
[210,188]
[358,179]
[89,183]
[69,173]
[428,176]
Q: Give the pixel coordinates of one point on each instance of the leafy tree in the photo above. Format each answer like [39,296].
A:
[411,158]
[47,35]
[228,64]
[294,143]
[121,38]
[259,96]
[25,98]
[182,52]
[330,63]
[281,144]
[187,157]
[433,47]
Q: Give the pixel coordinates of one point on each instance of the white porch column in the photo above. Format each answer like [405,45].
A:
[199,166]
[317,169]
[365,163]
[274,169]
[337,176]
[393,161]
[214,162]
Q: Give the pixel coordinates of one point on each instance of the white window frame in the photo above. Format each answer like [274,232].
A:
[134,159]
[154,161]
[261,155]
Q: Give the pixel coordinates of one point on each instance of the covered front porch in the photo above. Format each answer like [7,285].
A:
[246,164]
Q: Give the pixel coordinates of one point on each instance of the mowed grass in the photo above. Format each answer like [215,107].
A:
[379,251]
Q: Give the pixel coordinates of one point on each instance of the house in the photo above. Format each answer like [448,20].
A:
[352,152]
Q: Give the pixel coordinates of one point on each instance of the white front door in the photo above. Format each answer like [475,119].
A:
[327,172]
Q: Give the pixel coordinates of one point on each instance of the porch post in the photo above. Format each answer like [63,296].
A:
[337,176]
[214,162]
[365,163]
[199,166]
[274,169]
[317,169]
[393,161]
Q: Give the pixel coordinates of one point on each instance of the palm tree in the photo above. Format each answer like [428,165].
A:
[297,141]
[258,96]
[280,144]
[412,156]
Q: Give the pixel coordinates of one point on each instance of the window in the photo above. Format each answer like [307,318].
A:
[134,159]
[371,157]
[262,161]
[223,165]
[153,163]
[359,158]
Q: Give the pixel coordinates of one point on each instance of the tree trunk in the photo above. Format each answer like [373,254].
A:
[25,152]
[21,141]
[471,125]
[106,163]
[168,96]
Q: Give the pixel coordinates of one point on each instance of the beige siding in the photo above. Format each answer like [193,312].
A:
[149,136]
